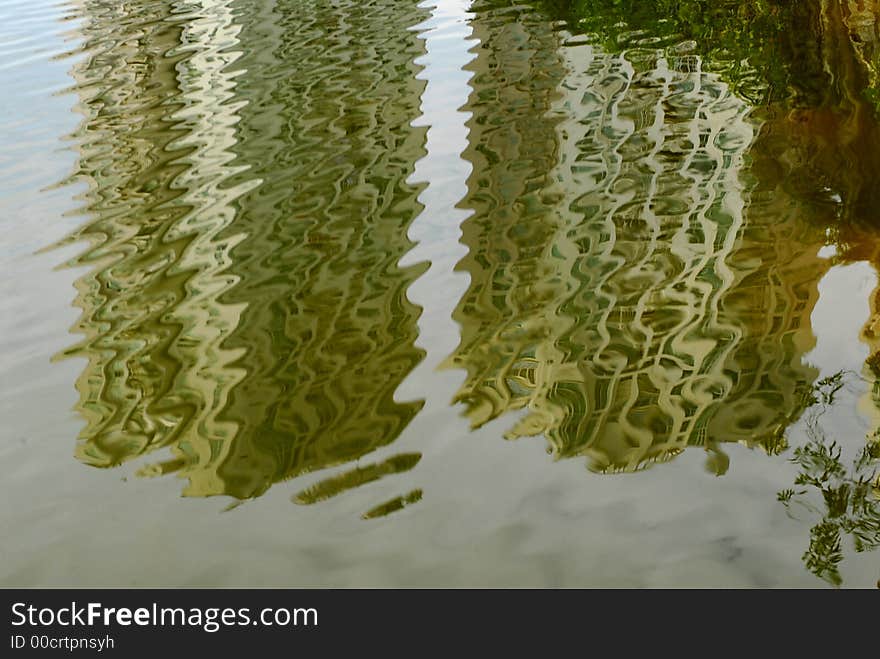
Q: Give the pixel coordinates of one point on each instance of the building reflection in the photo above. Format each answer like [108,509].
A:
[153,150]
[643,245]
[247,207]
[643,248]
[328,333]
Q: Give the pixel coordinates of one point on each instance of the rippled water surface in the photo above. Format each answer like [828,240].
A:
[281,279]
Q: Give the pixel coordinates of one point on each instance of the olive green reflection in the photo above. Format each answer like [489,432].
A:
[811,70]
[762,48]
[648,203]
[643,245]
[248,205]
[328,333]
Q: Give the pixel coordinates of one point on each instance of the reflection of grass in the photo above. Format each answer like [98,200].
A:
[850,497]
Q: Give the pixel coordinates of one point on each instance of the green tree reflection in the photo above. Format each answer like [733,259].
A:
[846,499]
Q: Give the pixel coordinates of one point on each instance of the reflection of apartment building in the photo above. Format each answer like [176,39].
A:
[328,332]
[263,326]
[641,252]
[627,292]
[513,148]
[154,148]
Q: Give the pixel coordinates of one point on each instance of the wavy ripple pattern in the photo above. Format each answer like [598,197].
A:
[641,253]
[328,334]
[621,276]
[247,170]
[153,148]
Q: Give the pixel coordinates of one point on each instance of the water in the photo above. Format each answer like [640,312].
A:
[308,265]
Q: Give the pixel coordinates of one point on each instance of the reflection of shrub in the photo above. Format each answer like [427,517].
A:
[851,501]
